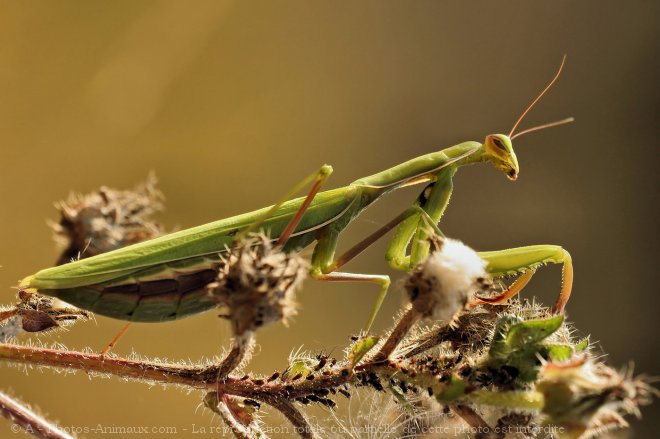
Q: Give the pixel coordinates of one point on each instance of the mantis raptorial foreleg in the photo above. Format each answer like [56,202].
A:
[526,260]
[435,199]
[515,288]
[432,203]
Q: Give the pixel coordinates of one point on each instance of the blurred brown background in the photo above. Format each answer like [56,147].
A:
[232,103]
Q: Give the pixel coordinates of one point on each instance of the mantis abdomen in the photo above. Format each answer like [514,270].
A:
[156,294]
[166,278]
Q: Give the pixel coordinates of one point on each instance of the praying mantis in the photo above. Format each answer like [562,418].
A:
[165,278]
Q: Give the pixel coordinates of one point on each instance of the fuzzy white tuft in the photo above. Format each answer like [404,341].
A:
[456,265]
[447,279]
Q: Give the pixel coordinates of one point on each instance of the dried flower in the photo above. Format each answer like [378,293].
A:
[37,313]
[107,219]
[441,286]
[587,397]
[257,283]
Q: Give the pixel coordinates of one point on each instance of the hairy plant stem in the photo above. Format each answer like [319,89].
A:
[294,416]
[239,430]
[31,422]
[521,400]
[476,422]
[272,393]
[206,377]
[199,377]
[243,425]
[453,331]
[241,346]
[402,328]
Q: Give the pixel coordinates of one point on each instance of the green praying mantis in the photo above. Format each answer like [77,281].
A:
[165,278]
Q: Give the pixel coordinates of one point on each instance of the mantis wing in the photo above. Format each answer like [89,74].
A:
[184,250]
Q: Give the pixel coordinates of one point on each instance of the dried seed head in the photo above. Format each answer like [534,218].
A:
[37,313]
[107,219]
[586,396]
[257,283]
[440,286]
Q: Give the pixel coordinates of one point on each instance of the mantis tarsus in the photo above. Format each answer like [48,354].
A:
[165,278]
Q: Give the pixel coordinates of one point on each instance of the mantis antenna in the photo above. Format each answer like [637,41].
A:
[547,125]
[544,126]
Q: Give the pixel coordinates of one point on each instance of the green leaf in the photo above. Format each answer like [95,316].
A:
[299,366]
[582,345]
[559,352]
[517,345]
[498,346]
[532,331]
[360,349]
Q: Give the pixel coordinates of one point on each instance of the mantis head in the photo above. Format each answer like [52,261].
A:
[498,148]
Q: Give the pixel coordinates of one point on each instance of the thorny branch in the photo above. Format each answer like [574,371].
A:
[488,364]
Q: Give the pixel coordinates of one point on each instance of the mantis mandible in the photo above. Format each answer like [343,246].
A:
[165,278]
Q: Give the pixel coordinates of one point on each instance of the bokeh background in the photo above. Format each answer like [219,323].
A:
[232,103]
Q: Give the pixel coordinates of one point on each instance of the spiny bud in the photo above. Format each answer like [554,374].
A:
[440,286]
[107,219]
[257,283]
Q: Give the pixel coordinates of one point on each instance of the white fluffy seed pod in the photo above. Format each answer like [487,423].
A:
[442,285]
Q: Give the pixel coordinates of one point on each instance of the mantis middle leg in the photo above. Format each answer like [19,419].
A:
[324,264]
[416,222]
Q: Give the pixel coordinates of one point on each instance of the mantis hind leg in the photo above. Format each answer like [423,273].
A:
[525,261]
[319,177]
[108,347]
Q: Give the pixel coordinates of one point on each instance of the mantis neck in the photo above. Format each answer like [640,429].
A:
[425,167]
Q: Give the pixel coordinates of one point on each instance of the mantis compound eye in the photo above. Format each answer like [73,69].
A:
[497,142]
